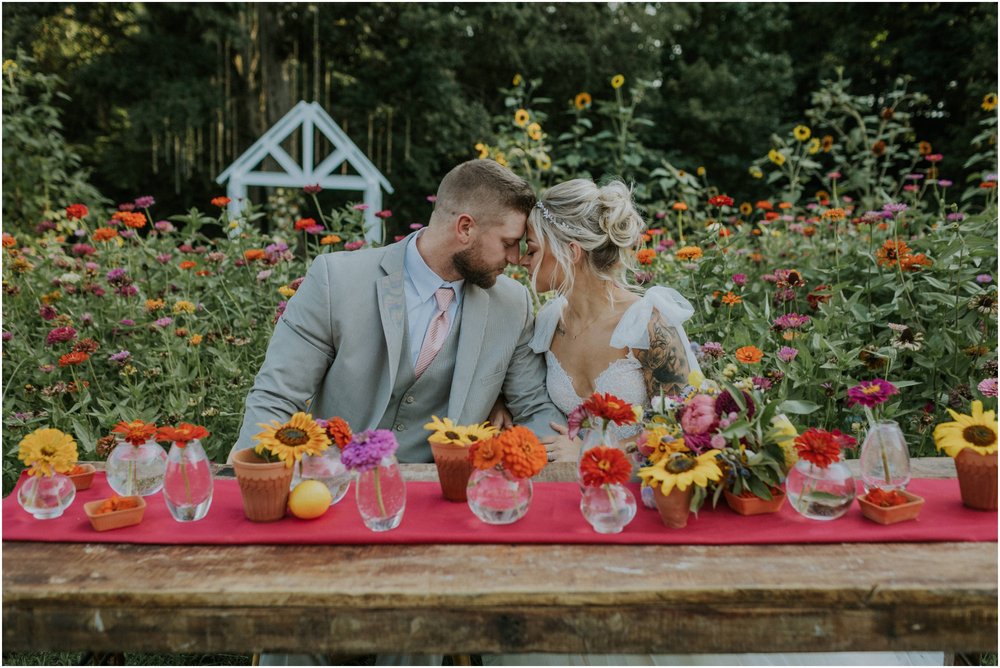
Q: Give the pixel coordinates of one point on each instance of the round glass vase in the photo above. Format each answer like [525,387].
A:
[136,470]
[593,438]
[188,482]
[381,495]
[46,497]
[820,493]
[327,468]
[885,457]
[497,497]
[609,508]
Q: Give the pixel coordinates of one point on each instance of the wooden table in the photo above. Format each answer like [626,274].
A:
[502,598]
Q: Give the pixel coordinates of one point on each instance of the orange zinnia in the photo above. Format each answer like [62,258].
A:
[523,454]
[835,214]
[253,254]
[689,253]
[104,234]
[731,299]
[135,432]
[679,206]
[821,447]
[188,264]
[645,256]
[784,205]
[339,431]
[133,220]
[73,358]
[609,407]
[8,240]
[182,434]
[220,202]
[764,205]
[749,354]
[486,454]
[604,466]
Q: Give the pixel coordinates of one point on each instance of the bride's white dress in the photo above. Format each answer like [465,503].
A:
[624,379]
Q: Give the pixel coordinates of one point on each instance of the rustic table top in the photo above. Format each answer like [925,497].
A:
[502,598]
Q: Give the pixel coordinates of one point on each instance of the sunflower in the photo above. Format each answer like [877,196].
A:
[484,151]
[658,440]
[582,100]
[977,431]
[783,433]
[989,102]
[756,172]
[47,451]
[445,431]
[617,81]
[521,117]
[801,132]
[535,131]
[924,148]
[479,432]
[746,208]
[776,157]
[681,470]
[814,146]
[291,440]
[517,80]
[544,162]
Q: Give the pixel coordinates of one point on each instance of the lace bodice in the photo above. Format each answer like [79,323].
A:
[623,378]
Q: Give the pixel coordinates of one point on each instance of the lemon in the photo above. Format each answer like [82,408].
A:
[309,500]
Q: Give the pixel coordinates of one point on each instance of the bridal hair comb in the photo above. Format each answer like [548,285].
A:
[547,215]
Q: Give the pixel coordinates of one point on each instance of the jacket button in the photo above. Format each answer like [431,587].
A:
[409,399]
[400,427]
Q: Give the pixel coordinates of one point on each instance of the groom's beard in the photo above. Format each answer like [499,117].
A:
[470,265]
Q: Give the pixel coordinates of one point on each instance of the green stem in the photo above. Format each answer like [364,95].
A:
[378,492]
[881,445]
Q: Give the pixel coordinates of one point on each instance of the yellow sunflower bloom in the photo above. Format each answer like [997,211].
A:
[484,150]
[46,451]
[681,470]
[521,117]
[801,132]
[659,440]
[977,431]
[291,440]
[480,432]
[776,157]
[617,81]
[756,172]
[544,162]
[700,171]
[582,100]
[814,146]
[783,432]
[517,80]
[501,158]
[827,143]
[535,131]
[445,431]
[989,102]
[746,208]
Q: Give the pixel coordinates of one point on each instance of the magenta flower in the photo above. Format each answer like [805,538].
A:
[988,387]
[432,198]
[956,217]
[164,226]
[934,157]
[367,449]
[353,245]
[7,336]
[575,420]
[790,321]
[163,322]
[894,208]
[60,335]
[944,183]
[312,190]
[870,393]
[360,207]
[699,415]
[384,213]
[144,202]
[120,357]
[739,279]
[47,312]
[713,349]
[984,278]
[787,354]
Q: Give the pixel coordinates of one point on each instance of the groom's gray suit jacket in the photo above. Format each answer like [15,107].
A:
[338,348]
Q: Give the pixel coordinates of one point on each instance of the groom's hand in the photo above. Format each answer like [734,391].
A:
[560,447]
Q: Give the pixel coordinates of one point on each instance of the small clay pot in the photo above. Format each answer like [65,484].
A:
[263,486]
[674,507]
[754,505]
[453,469]
[892,514]
[85,478]
[977,479]
[116,519]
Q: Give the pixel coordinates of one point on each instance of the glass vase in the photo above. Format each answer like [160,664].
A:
[593,438]
[381,495]
[136,470]
[46,497]
[820,493]
[327,468]
[188,482]
[497,497]
[609,508]
[885,457]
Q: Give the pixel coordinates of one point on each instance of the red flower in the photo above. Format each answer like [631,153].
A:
[821,447]
[135,432]
[220,202]
[339,431]
[73,358]
[604,466]
[385,213]
[609,407]
[76,211]
[181,434]
[188,264]
[721,200]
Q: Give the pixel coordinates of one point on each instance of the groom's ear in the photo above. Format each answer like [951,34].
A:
[464,226]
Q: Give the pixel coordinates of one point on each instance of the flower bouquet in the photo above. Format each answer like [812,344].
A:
[971,440]
[137,464]
[49,454]
[326,466]
[187,482]
[379,489]
[606,503]
[450,446]
[820,486]
[592,421]
[499,490]
[885,457]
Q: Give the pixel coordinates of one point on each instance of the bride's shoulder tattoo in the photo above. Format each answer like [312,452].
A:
[664,364]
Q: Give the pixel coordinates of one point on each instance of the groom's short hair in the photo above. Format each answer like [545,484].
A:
[482,188]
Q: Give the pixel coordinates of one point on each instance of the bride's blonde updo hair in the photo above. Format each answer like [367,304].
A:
[602,220]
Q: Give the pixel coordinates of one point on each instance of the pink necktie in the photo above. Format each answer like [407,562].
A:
[437,331]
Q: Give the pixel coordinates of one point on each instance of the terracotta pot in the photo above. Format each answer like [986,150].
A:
[263,486]
[84,479]
[115,519]
[977,479]
[674,507]
[453,469]
[892,514]
[754,505]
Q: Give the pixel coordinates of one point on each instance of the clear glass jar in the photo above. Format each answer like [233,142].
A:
[594,438]
[136,470]
[46,497]
[381,495]
[497,497]
[608,508]
[327,468]
[885,457]
[820,493]
[188,482]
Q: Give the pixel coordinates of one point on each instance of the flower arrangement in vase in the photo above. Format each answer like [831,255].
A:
[379,490]
[499,490]
[971,440]
[137,464]
[820,486]
[594,418]
[326,466]
[264,472]
[885,457]
[188,482]
[606,503]
[450,446]
[49,454]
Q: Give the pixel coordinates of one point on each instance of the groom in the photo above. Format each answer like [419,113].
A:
[387,337]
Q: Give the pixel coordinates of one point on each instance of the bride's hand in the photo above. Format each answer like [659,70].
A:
[560,447]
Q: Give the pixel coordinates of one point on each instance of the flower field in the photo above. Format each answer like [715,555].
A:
[857,260]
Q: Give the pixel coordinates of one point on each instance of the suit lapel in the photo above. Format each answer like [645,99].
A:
[475,309]
[392,306]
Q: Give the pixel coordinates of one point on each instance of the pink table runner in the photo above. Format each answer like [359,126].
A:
[554,517]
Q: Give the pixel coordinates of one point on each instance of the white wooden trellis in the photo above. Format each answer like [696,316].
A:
[308,116]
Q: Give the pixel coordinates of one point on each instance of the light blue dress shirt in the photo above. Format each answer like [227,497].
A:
[419,287]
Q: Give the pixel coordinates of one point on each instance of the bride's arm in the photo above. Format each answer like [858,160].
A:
[664,365]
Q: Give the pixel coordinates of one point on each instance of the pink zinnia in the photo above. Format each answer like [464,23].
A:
[739,279]
[988,387]
[870,393]
[699,415]
[60,335]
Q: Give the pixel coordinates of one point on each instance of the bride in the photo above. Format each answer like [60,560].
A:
[600,334]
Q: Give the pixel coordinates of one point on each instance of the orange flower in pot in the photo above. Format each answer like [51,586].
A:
[971,440]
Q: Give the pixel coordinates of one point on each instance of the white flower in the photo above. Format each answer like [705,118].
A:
[730,370]
[69,277]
